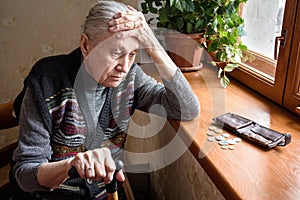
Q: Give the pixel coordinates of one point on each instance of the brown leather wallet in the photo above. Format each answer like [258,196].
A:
[252,131]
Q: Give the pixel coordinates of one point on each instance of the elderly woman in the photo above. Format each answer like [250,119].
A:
[75,109]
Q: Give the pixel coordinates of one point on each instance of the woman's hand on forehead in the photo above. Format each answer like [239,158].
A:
[129,20]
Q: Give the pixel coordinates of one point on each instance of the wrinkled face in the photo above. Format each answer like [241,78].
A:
[109,61]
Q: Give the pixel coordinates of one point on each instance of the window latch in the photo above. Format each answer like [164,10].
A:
[280,39]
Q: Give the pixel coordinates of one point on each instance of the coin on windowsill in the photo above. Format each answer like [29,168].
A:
[218,130]
[212,128]
[231,142]
[220,138]
[231,147]
[223,142]
[237,139]
[211,139]
[226,135]
[224,147]
[210,133]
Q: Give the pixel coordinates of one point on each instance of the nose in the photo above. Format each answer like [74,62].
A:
[123,64]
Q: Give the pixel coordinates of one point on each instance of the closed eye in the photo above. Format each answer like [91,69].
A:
[132,54]
[116,53]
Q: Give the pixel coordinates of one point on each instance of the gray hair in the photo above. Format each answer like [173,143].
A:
[99,15]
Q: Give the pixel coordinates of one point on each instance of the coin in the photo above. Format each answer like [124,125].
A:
[224,147]
[231,141]
[226,135]
[211,139]
[237,139]
[220,138]
[217,130]
[223,143]
[212,128]
[231,147]
[210,133]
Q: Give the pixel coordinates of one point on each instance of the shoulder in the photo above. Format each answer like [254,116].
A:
[57,63]
[55,70]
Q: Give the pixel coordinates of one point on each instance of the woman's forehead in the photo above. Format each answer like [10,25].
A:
[115,43]
[126,44]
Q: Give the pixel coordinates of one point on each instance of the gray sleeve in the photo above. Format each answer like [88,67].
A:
[181,90]
[33,145]
[175,98]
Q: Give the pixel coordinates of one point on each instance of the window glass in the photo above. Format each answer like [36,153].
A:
[263,22]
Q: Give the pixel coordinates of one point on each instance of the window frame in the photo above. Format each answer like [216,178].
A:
[272,89]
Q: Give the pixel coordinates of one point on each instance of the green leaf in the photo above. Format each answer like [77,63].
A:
[144,8]
[222,56]
[214,45]
[189,28]
[230,67]
[220,72]
[224,81]
[180,23]
[190,6]
[242,47]
[172,2]
[214,25]
[189,17]
[180,5]
[163,17]
[199,24]
[153,10]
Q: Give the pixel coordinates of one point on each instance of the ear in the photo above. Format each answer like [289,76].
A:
[84,45]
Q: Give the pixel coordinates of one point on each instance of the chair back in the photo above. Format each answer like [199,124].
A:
[7,120]
[7,117]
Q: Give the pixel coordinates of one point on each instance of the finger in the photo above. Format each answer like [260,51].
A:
[120,176]
[89,166]
[123,19]
[100,171]
[79,164]
[109,175]
[101,155]
[110,167]
[122,27]
[90,172]
[124,14]
[130,8]
[119,15]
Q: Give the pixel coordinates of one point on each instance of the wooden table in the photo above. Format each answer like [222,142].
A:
[248,172]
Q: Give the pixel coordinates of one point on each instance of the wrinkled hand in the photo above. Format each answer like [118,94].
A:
[129,20]
[133,24]
[96,165]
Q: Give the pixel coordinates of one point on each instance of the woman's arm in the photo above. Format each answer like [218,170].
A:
[34,172]
[177,96]
[33,145]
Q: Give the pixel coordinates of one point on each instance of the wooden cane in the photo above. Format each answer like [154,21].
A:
[112,187]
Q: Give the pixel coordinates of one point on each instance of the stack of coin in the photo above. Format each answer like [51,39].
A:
[215,133]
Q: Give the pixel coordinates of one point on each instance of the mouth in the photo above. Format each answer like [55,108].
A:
[116,78]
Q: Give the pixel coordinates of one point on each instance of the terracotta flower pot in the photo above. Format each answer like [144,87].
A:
[184,50]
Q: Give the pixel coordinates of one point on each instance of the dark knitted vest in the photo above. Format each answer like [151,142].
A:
[62,107]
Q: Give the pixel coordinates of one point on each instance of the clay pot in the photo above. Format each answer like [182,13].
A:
[184,50]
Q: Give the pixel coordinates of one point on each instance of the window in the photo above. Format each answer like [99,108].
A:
[273,61]
[263,22]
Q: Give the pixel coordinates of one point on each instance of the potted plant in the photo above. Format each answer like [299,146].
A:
[218,21]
